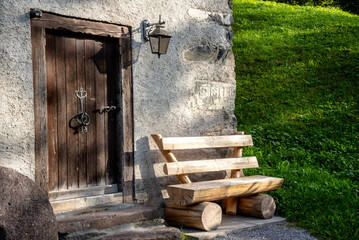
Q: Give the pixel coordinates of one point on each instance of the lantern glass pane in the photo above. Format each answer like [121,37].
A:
[164,44]
[154,44]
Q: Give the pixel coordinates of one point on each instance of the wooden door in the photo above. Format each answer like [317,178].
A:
[82,160]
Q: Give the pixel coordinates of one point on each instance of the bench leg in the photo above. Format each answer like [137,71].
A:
[259,205]
[231,206]
[205,215]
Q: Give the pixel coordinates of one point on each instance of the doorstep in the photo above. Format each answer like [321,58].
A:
[84,203]
[102,217]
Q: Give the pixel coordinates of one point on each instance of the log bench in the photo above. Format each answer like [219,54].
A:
[190,204]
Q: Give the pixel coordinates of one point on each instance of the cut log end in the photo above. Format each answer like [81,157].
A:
[205,216]
[260,206]
[211,217]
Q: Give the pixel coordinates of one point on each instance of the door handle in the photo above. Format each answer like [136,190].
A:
[107,109]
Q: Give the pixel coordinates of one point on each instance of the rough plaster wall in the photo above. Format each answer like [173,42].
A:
[189,91]
[196,93]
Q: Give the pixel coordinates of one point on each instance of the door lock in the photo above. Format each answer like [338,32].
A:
[107,109]
[82,119]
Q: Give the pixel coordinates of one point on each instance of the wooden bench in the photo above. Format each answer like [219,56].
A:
[189,201]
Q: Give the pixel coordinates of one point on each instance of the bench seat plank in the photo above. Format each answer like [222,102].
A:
[177,143]
[213,165]
[186,194]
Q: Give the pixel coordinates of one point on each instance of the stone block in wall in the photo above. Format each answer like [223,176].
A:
[213,96]
[206,53]
[230,4]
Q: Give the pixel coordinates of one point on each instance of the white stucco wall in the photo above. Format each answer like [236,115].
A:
[189,91]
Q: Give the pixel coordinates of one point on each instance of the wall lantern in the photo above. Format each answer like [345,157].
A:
[158,37]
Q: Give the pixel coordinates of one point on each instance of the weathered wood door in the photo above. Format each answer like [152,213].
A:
[83,160]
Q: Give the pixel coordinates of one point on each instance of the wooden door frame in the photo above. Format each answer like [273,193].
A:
[38,41]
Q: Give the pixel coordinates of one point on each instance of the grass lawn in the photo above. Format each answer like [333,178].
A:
[298,95]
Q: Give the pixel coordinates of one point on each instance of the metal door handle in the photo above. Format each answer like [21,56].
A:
[108,109]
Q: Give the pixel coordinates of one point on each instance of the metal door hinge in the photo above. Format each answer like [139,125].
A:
[35,13]
[120,49]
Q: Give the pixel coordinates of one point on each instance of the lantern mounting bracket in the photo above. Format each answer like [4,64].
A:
[148,27]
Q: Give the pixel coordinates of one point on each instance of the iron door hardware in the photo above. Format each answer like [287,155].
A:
[82,119]
[107,109]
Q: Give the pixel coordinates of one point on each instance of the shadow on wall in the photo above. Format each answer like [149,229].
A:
[155,181]
[171,98]
[184,95]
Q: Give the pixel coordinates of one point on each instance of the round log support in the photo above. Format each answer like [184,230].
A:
[205,215]
[231,206]
[259,205]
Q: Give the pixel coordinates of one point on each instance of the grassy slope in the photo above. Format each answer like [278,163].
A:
[298,94]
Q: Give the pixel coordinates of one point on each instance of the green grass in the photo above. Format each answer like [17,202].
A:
[298,95]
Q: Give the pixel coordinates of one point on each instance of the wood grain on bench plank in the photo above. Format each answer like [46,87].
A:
[185,194]
[176,168]
[177,143]
[170,157]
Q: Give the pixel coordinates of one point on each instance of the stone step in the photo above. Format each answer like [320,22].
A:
[105,217]
[144,230]
[71,205]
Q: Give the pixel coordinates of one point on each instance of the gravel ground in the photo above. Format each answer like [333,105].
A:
[270,232]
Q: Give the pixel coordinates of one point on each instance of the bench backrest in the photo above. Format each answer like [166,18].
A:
[180,169]
[177,143]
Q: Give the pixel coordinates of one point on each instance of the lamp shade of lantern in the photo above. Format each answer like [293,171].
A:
[159,40]
[154,33]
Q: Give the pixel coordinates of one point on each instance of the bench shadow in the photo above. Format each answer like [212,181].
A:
[149,175]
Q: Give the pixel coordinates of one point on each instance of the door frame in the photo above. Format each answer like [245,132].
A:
[76,25]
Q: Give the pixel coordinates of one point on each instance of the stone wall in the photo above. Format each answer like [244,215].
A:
[188,91]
